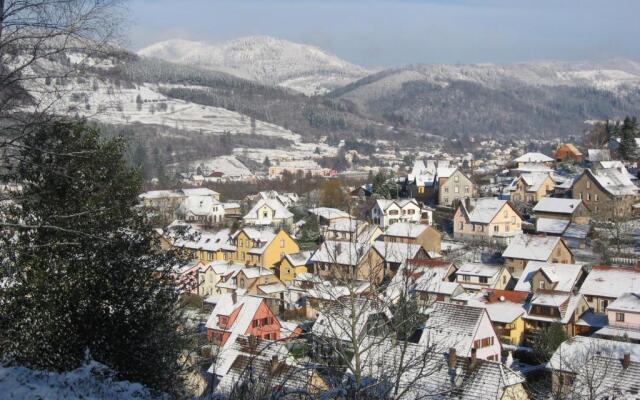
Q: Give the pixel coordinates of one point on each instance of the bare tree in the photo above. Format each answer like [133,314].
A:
[43,42]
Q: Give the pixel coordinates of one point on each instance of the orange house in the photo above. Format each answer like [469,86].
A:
[242,315]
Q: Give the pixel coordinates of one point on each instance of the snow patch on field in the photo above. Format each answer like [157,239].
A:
[92,381]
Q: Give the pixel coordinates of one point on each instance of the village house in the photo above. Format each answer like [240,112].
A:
[604,284]
[205,246]
[568,152]
[200,209]
[262,247]
[387,212]
[531,187]
[352,230]
[337,324]
[269,211]
[606,191]
[210,274]
[420,182]
[293,265]
[428,280]
[623,316]
[426,236]
[345,261]
[452,186]
[241,315]
[390,255]
[542,275]
[486,220]
[439,371]
[552,307]
[572,210]
[589,367]
[328,216]
[475,276]
[533,158]
[467,329]
[167,201]
[506,309]
[525,248]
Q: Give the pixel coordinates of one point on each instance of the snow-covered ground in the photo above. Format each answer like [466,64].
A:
[92,381]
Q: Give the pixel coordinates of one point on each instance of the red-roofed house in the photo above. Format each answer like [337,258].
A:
[242,315]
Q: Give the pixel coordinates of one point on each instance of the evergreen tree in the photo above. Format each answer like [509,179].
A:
[83,270]
[628,131]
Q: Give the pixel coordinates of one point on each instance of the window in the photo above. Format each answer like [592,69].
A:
[466,189]
[446,200]
[466,278]
[446,189]
[588,196]
[595,197]
[541,285]
[496,228]
[456,189]
[588,184]
[513,220]
[505,214]
[456,178]
[484,279]
[241,243]
[619,317]
[580,195]
[282,243]
[265,214]
[461,226]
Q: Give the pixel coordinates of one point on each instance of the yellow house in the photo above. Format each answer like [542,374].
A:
[262,247]
[506,312]
[293,265]
[486,220]
[212,273]
[530,188]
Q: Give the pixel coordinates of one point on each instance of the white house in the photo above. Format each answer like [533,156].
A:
[387,212]
[200,209]
[463,328]
[268,212]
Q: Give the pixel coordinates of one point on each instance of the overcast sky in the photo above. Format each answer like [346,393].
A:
[381,33]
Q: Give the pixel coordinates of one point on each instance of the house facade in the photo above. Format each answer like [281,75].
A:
[486,219]
[606,191]
[424,235]
[531,187]
[568,152]
[388,212]
[572,210]
[262,247]
[452,186]
[525,248]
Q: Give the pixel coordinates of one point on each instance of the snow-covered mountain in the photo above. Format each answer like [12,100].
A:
[301,67]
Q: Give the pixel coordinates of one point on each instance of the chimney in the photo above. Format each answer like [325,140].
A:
[626,360]
[474,358]
[467,203]
[253,343]
[453,358]
[234,297]
[274,363]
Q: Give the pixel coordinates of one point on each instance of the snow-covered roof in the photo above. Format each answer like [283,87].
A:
[502,311]
[483,210]
[336,320]
[611,282]
[478,269]
[566,303]
[198,205]
[532,180]
[329,213]
[199,192]
[396,252]
[248,306]
[207,241]
[573,353]
[386,203]
[565,276]
[594,155]
[615,181]
[298,259]
[405,229]
[551,225]
[530,247]
[279,210]
[445,172]
[340,253]
[534,157]
[557,205]
[626,302]
[426,373]
[452,325]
